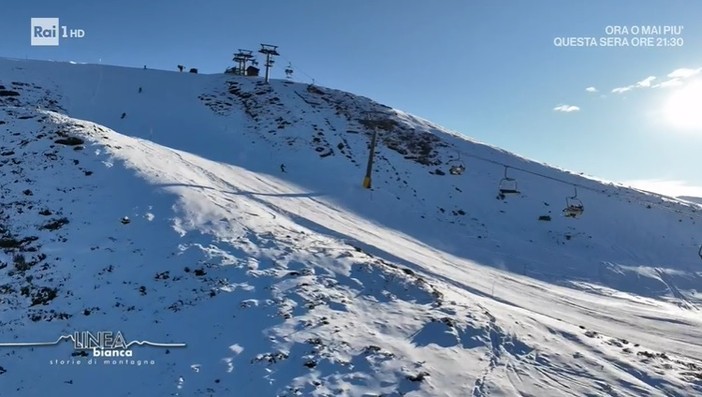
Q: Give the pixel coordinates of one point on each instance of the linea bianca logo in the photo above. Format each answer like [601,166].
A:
[48,32]
[100,343]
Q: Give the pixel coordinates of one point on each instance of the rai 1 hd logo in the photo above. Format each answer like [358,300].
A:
[48,32]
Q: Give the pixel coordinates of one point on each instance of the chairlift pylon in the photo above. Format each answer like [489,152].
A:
[457,167]
[507,186]
[574,207]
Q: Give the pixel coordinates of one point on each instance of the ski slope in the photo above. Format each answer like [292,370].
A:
[302,282]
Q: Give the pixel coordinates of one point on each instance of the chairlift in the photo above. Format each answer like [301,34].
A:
[700,252]
[289,71]
[457,167]
[574,207]
[507,186]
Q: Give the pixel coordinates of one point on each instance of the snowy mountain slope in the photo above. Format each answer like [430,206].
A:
[302,282]
[691,199]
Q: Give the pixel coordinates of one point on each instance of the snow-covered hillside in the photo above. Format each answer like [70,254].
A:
[154,203]
[691,199]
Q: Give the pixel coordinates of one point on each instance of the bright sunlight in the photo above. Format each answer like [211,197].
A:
[684,107]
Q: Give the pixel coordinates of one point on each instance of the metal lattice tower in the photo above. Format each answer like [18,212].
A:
[241,58]
[270,51]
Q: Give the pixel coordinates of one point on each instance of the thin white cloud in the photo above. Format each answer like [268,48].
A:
[675,78]
[621,90]
[591,89]
[674,188]
[684,73]
[566,108]
[675,82]
[645,83]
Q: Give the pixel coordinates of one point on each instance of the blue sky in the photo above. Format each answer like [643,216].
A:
[488,69]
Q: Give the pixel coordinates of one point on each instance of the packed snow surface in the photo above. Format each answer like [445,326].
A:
[228,215]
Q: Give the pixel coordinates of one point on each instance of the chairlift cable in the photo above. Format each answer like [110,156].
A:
[298,69]
[527,171]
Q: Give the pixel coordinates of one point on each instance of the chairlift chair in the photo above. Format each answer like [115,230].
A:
[507,186]
[289,71]
[574,207]
[700,252]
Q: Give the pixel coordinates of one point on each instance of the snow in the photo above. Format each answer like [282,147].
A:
[691,199]
[303,282]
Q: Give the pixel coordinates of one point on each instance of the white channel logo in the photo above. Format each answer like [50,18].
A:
[48,32]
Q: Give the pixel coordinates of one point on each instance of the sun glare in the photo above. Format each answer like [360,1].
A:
[684,107]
